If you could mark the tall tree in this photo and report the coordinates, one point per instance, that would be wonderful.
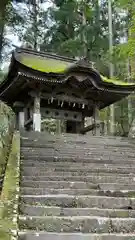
(8, 17)
(3, 6)
(36, 24)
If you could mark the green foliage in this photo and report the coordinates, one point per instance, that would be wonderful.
(127, 50)
(52, 125)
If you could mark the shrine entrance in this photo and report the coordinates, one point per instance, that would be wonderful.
(41, 85)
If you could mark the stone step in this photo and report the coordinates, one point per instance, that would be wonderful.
(73, 236)
(83, 142)
(82, 201)
(44, 191)
(72, 144)
(64, 143)
(76, 159)
(72, 170)
(68, 136)
(57, 211)
(75, 137)
(73, 165)
(76, 174)
(59, 184)
(79, 149)
(78, 154)
(95, 179)
(84, 224)
(78, 185)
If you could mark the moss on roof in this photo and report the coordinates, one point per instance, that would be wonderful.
(116, 81)
(47, 65)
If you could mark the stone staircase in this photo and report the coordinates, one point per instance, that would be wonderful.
(76, 188)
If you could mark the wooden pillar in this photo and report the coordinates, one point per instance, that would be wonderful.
(37, 114)
(20, 115)
(96, 119)
(58, 126)
(21, 120)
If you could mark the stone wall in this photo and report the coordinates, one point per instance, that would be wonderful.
(10, 193)
(6, 133)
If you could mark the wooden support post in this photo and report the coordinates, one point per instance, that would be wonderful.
(21, 120)
(58, 126)
(96, 118)
(20, 115)
(37, 114)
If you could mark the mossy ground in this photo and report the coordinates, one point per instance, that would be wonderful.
(9, 200)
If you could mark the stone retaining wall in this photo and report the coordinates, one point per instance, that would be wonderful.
(10, 193)
(6, 134)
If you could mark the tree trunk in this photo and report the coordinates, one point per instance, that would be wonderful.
(112, 109)
(35, 23)
(2, 25)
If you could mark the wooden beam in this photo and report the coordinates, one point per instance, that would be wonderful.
(61, 114)
(61, 97)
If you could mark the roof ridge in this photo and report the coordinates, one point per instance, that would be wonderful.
(45, 54)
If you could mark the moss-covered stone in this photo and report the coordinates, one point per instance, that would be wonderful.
(6, 132)
(9, 196)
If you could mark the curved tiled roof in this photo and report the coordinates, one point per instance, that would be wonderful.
(51, 63)
(28, 65)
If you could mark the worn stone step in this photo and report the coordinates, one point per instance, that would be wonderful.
(89, 179)
(77, 174)
(83, 201)
(57, 211)
(74, 143)
(78, 185)
(63, 145)
(94, 149)
(73, 236)
(84, 224)
(71, 144)
(76, 138)
(72, 165)
(77, 156)
(58, 184)
(73, 170)
(78, 149)
(75, 159)
(44, 191)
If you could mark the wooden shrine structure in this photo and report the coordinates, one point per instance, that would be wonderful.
(57, 87)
